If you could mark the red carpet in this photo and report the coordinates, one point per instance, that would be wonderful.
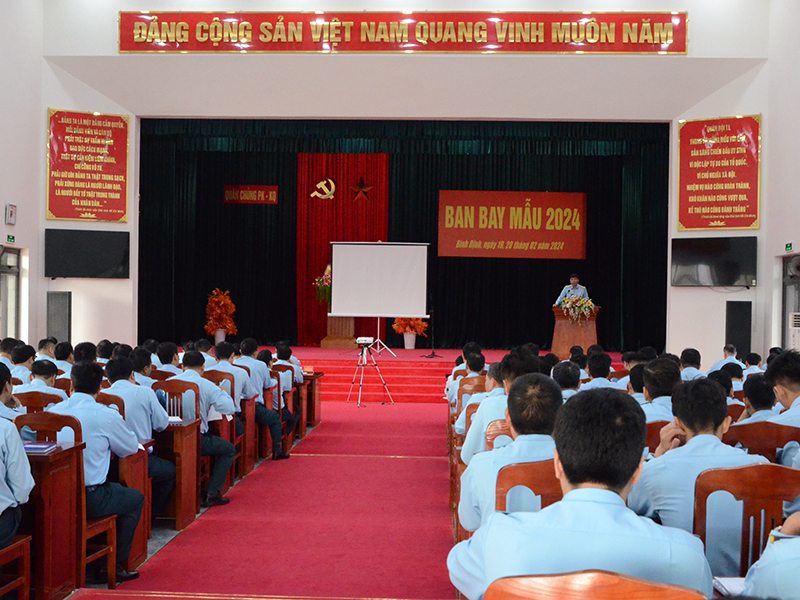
(359, 511)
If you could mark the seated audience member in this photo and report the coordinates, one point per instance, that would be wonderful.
(151, 346)
(599, 436)
(568, 376)
(168, 356)
(752, 363)
(45, 350)
(514, 364)
(773, 352)
(85, 352)
(122, 351)
(629, 360)
(241, 380)
(594, 348)
(533, 402)
(660, 378)
(737, 375)
(672, 357)
(22, 357)
(43, 378)
(551, 360)
(729, 356)
(203, 346)
(188, 346)
(723, 378)
(143, 415)
(6, 346)
(777, 573)
(279, 387)
(460, 369)
(689, 445)
(649, 353)
(636, 384)
(475, 364)
(262, 383)
(284, 355)
(690, 365)
(759, 398)
(210, 445)
(494, 389)
(105, 348)
(580, 360)
(783, 374)
(64, 357)
(599, 366)
(104, 432)
(17, 481)
(140, 361)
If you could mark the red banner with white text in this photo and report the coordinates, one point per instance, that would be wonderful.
(720, 173)
(408, 31)
(512, 224)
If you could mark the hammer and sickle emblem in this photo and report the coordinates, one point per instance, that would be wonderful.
(326, 189)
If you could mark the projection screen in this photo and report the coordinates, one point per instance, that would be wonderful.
(379, 279)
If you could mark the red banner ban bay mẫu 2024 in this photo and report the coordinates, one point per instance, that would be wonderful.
(512, 224)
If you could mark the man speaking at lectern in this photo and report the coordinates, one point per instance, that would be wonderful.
(573, 290)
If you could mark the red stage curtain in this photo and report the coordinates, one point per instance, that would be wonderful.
(340, 219)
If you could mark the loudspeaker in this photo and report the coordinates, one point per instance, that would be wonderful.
(738, 326)
(59, 315)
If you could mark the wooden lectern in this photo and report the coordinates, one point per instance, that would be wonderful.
(568, 333)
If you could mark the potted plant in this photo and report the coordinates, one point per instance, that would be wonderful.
(577, 309)
(323, 286)
(410, 328)
(219, 315)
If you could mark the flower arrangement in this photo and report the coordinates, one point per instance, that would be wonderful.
(219, 312)
(323, 286)
(417, 326)
(577, 309)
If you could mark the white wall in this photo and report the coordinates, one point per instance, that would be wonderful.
(724, 73)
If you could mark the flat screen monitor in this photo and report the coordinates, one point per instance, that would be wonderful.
(729, 261)
(91, 254)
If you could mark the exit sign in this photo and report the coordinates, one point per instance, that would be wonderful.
(789, 247)
(10, 239)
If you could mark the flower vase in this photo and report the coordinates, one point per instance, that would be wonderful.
(409, 340)
(219, 336)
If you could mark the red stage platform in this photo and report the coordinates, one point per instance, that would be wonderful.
(409, 376)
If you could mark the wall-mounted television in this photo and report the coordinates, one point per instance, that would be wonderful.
(92, 254)
(728, 261)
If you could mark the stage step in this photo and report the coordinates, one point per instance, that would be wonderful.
(407, 381)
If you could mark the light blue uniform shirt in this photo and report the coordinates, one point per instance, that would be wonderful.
(16, 481)
(792, 418)
(660, 409)
(21, 372)
(572, 292)
(7, 362)
(38, 385)
(241, 382)
(602, 382)
(491, 409)
(143, 380)
(691, 373)
(210, 361)
(460, 426)
(103, 432)
(479, 481)
(777, 573)
(567, 394)
(452, 392)
(718, 365)
(64, 366)
(298, 370)
(759, 415)
(754, 370)
(171, 369)
(666, 490)
(143, 412)
(639, 397)
(210, 395)
(259, 375)
(589, 529)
